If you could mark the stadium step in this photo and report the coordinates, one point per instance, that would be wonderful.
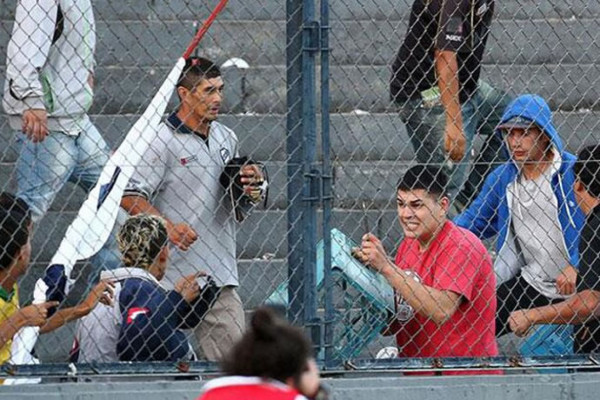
(340, 9)
(158, 43)
(366, 137)
(568, 87)
(262, 235)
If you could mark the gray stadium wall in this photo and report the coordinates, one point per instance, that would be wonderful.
(577, 386)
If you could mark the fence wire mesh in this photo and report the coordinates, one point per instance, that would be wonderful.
(56, 55)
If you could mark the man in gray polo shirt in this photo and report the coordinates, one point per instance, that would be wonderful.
(179, 180)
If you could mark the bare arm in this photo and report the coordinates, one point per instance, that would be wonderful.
(446, 67)
(575, 310)
(102, 292)
(437, 305)
(61, 317)
(10, 327)
(180, 234)
(137, 205)
(33, 315)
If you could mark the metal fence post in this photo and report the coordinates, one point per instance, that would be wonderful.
(312, 176)
(294, 146)
(327, 174)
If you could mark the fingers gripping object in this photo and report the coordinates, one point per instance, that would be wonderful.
(231, 179)
(193, 313)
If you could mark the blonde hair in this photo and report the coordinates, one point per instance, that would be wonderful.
(141, 238)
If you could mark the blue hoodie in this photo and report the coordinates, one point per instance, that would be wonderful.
(489, 214)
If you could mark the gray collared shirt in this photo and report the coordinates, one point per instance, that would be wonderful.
(179, 175)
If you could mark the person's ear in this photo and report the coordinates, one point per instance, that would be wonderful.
(182, 93)
(21, 260)
(445, 204)
(163, 256)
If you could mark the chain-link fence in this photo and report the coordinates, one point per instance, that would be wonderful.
(337, 100)
(381, 139)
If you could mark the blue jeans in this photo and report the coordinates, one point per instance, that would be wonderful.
(43, 168)
(481, 113)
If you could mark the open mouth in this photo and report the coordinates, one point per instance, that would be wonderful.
(411, 226)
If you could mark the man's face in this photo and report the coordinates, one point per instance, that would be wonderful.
(527, 145)
(421, 214)
(310, 380)
(204, 101)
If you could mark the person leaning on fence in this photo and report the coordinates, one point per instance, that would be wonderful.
(179, 178)
(47, 93)
(443, 103)
(272, 361)
(582, 308)
(529, 205)
(15, 255)
(443, 276)
(144, 322)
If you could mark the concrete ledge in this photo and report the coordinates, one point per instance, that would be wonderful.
(577, 386)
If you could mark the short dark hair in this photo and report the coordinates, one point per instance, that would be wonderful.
(271, 348)
(430, 178)
(587, 169)
(196, 69)
(15, 219)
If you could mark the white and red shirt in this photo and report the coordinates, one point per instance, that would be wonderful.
(248, 388)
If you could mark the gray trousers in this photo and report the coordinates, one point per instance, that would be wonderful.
(222, 326)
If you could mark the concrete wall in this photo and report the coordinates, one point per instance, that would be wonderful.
(545, 46)
(582, 386)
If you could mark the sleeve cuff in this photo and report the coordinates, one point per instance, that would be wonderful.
(136, 192)
(34, 102)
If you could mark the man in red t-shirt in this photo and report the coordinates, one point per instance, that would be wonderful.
(443, 275)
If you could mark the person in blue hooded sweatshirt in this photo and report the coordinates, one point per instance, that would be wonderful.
(529, 206)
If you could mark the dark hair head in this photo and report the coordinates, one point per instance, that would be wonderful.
(141, 238)
(587, 169)
(196, 69)
(11, 202)
(15, 220)
(271, 348)
(430, 178)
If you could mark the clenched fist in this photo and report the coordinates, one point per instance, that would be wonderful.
(455, 142)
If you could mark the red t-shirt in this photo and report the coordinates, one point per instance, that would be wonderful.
(456, 260)
(247, 388)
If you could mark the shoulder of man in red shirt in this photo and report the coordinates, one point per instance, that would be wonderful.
(465, 260)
